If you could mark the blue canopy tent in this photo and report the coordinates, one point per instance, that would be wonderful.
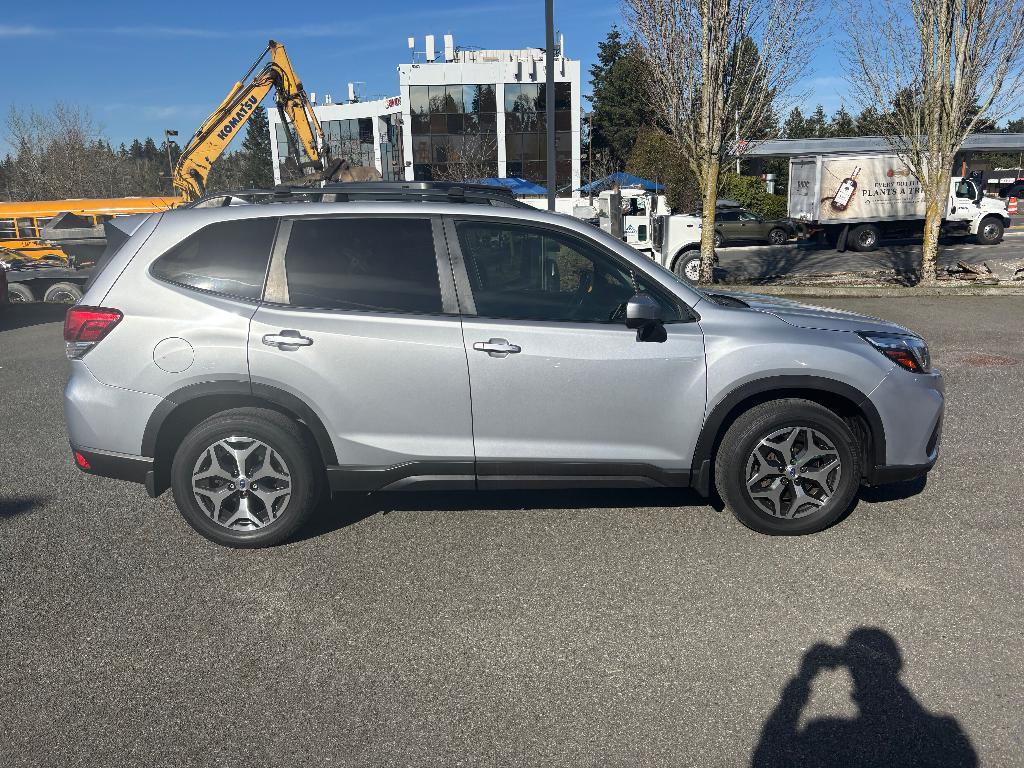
(517, 185)
(627, 180)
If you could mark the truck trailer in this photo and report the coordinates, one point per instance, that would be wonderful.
(858, 200)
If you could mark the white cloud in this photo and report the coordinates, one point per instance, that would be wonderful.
(23, 30)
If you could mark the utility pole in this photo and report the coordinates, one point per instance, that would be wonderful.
(549, 100)
(590, 161)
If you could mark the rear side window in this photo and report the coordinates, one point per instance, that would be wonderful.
(372, 264)
(230, 257)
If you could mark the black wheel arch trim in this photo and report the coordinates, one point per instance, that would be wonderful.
(251, 393)
(712, 430)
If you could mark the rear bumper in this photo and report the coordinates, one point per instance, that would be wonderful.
(118, 466)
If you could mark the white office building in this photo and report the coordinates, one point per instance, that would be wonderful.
(458, 114)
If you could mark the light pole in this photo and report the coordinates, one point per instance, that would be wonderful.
(549, 100)
(167, 143)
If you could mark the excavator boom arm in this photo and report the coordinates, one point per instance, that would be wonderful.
(214, 135)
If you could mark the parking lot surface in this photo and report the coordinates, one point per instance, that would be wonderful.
(604, 628)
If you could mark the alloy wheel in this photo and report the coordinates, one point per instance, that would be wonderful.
(241, 483)
(793, 472)
(691, 270)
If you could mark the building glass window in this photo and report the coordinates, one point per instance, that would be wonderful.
(349, 139)
(526, 138)
(454, 131)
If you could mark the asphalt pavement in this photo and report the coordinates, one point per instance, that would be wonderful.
(602, 629)
(758, 262)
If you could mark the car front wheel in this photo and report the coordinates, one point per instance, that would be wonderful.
(788, 467)
(778, 236)
(245, 478)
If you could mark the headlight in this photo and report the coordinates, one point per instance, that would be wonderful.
(907, 351)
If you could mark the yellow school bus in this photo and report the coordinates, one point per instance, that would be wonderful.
(21, 223)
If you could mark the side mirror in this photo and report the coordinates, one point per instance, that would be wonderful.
(643, 313)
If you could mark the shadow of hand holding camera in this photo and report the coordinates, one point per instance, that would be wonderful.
(892, 729)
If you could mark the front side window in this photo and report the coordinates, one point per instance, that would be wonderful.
(371, 264)
(518, 272)
(228, 257)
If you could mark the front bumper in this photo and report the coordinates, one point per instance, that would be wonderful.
(911, 407)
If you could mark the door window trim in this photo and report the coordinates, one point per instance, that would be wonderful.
(276, 293)
(465, 290)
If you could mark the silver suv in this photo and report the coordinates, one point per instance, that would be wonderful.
(252, 357)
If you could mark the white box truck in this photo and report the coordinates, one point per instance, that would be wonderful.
(859, 200)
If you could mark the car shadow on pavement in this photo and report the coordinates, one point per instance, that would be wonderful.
(16, 316)
(891, 728)
(893, 491)
(345, 509)
(19, 505)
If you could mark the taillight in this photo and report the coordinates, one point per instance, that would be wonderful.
(84, 327)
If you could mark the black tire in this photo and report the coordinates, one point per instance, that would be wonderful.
(990, 231)
(863, 238)
(778, 236)
(719, 241)
(687, 265)
(19, 293)
(284, 437)
(762, 421)
(63, 293)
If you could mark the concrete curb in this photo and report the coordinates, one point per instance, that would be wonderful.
(872, 291)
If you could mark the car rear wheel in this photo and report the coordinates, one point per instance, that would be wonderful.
(245, 478)
(778, 236)
(788, 467)
(864, 238)
(718, 240)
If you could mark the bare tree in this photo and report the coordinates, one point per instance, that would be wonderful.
(941, 66)
(476, 157)
(711, 61)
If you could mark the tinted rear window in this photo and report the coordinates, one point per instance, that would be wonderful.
(377, 264)
(230, 257)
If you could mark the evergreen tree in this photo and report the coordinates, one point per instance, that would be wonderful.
(869, 122)
(258, 161)
(843, 123)
(817, 124)
(620, 109)
(1016, 126)
(150, 150)
(795, 126)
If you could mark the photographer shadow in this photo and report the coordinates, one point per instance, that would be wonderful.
(891, 728)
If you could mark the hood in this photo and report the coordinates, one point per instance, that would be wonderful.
(991, 204)
(807, 316)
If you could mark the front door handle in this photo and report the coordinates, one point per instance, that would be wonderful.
(288, 340)
(497, 347)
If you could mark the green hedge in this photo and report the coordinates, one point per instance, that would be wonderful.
(750, 192)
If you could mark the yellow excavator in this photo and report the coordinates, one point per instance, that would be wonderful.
(294, 106)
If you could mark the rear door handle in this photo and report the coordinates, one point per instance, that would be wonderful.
(497, 347)
(288, 340)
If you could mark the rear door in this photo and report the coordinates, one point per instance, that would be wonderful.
(560, 385)
(803, 189)
(360, 321)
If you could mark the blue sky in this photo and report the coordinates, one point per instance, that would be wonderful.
(141, 67)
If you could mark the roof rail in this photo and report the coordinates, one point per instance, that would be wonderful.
(343, 192)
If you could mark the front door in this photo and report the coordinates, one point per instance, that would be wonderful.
(559, 385)
(356, 324)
